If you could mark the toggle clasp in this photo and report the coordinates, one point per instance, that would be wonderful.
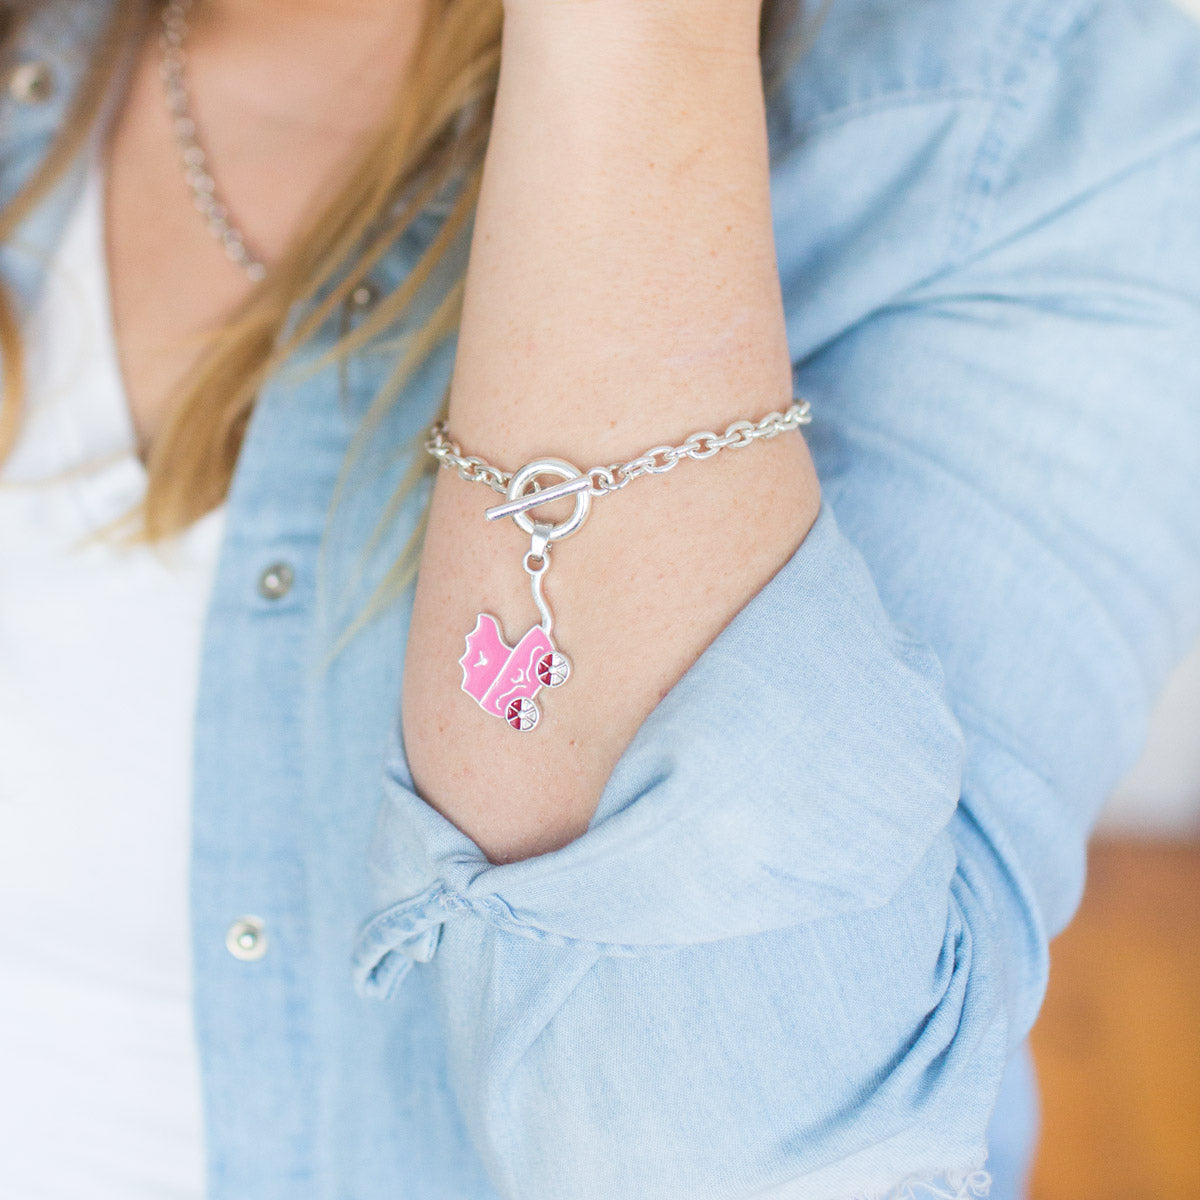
(521, 500)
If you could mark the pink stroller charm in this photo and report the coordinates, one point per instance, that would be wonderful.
(505, 679)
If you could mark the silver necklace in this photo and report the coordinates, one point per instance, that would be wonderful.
(195, 160)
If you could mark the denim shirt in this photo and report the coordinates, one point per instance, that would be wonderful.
(807, 927)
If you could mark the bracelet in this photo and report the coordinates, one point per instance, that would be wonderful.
(503, 679)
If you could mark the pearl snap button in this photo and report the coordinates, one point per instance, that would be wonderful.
(276, 581)
(246, 939)
(31, 83)
(365, 296)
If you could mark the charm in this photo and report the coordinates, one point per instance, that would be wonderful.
(504, 680)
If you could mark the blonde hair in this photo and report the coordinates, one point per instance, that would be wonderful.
(431, 145)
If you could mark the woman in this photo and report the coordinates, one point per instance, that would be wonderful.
(757, 902)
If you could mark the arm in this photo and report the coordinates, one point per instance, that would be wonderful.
(622, 291)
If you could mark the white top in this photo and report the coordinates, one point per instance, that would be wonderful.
(99, 650)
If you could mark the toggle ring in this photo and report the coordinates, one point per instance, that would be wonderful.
(520, 502)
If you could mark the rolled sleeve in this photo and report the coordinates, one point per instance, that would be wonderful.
(801, 768)
(707, 984)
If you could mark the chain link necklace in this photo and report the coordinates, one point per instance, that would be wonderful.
(195, 160)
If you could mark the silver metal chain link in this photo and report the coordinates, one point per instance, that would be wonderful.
(656, 461)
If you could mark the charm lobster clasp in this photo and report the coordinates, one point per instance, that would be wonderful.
(504, 679)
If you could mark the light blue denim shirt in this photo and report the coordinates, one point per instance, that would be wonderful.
(807, 928)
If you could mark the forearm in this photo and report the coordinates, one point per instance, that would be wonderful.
(621, 292)
(623, 247)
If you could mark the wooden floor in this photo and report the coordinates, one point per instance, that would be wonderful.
(1118, 1042)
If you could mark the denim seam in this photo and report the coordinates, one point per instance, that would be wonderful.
(912, 98)
(994, 149)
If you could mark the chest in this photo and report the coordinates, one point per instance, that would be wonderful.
(275, 157)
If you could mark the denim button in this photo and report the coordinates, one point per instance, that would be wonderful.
(31, 83)
(246, 939)
(276, 581)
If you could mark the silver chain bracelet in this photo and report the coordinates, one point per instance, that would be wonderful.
(653, 462)
(504, 679)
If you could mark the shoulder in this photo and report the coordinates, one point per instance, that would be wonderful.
(912, 133)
